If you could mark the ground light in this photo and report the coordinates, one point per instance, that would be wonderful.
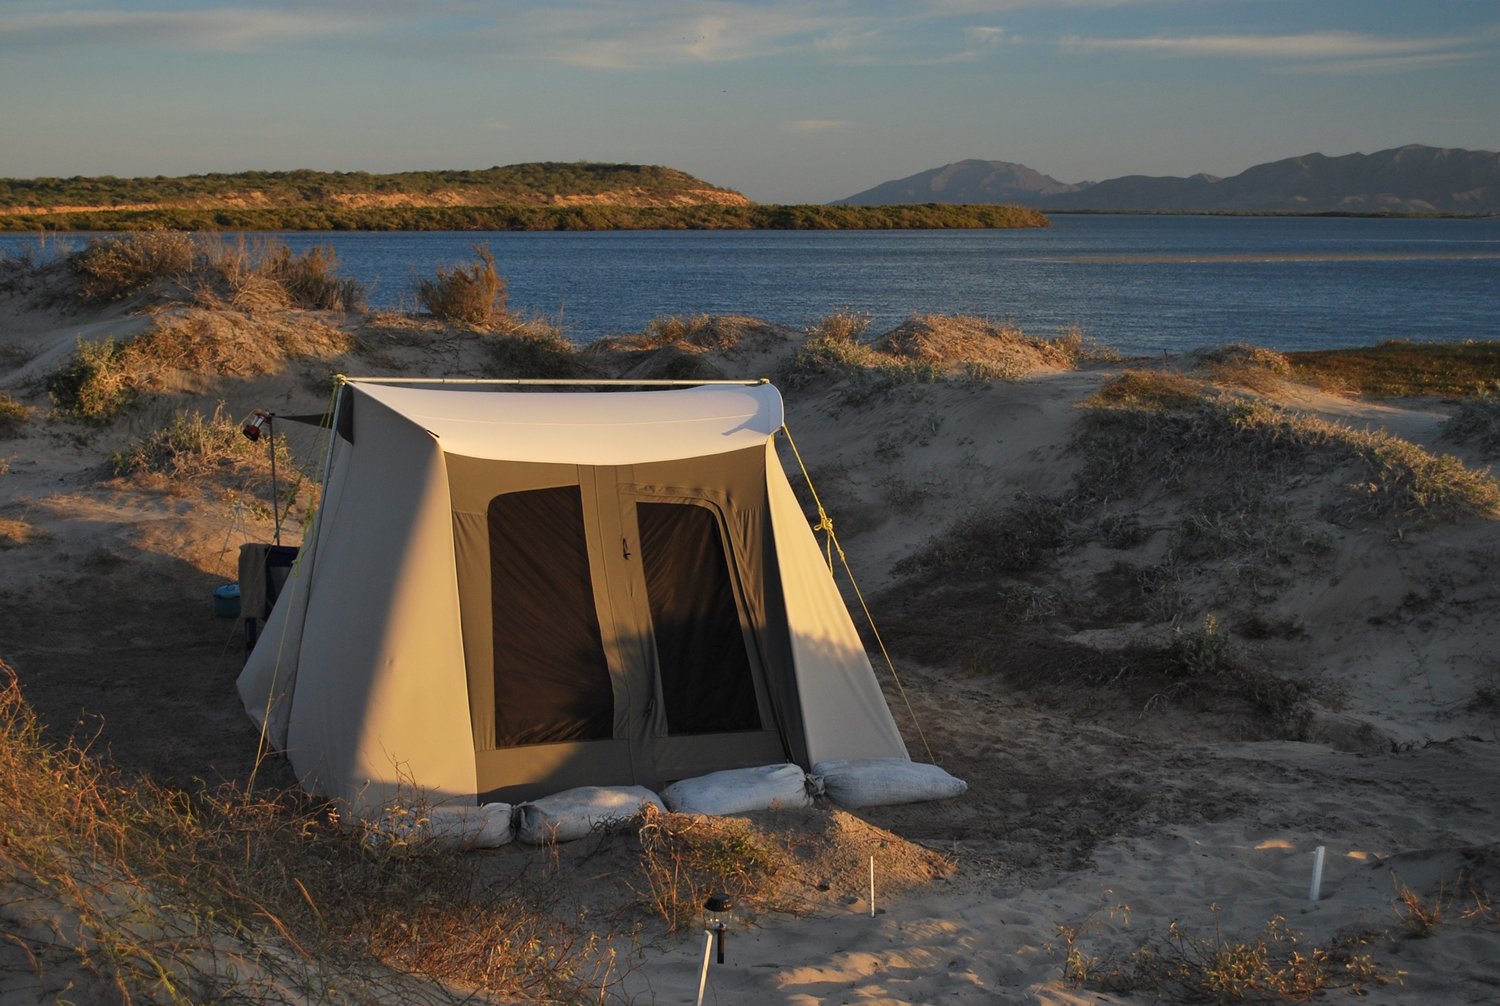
(717, 916)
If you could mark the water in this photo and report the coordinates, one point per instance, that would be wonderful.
(1141, 284)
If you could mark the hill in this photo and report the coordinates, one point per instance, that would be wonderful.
(534, 184)
(1410, 179)
(537, 196)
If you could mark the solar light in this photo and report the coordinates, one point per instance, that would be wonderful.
(252, 427)
(717, 916)
(259, 419)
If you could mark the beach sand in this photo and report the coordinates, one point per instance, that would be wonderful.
(1092, 809)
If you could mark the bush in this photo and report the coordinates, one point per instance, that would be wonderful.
(534, 350)
(309, 279)
(474, 296)
(13, 417)
(92, 385)
(1477, 421)
(112, 268)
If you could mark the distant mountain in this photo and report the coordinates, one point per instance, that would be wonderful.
(1410, 179)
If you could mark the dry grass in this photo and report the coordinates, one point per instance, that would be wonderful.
(196, 453)
(164, 896)
(1477, 421)
(15, 532)
(1273, 965)
(117, 267)
(14, 417)
(1149, 429)
(186, 350)
(534, 349)
(978, 349)
(1398, 368)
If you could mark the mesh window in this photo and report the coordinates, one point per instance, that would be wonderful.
(705, 672)
(552, 681)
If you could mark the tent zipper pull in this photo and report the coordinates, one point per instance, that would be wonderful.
(625, 546)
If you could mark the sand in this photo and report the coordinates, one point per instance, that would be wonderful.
(1095, 809)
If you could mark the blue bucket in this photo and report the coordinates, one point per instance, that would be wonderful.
(227, 601)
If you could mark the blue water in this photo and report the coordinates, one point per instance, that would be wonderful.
(1141, 284)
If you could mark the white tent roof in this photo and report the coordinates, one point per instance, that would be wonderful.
(626, 427)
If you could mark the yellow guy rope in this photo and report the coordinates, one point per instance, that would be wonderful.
(825, 524)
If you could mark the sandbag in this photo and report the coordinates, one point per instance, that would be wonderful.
(575, 813)
(484, 827)
(874, 782)
(449, 826)
(738, 790)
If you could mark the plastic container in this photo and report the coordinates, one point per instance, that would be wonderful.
(227, 601)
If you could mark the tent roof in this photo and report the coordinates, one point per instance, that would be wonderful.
(589, 428)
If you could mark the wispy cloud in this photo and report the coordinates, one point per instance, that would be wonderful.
(808, 126)
(226, 29)
(1325, 51)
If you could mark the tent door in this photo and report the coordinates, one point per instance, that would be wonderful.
(608, 630)
(707, 702)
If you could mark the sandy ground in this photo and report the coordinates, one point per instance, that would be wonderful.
(1103, 810)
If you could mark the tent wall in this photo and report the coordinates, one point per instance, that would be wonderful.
(379, 698)
(844, 712)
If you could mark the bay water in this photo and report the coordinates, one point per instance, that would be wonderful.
(1139, 284)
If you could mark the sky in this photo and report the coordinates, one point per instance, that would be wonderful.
(785, 102)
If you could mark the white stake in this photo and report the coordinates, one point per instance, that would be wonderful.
(872, 887)
(1317, 876)
(708, 945)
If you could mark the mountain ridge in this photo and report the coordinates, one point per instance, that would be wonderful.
(1407, 179)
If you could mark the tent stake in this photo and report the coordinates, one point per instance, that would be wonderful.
(708, 946)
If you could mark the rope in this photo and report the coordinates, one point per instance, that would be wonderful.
(825, 524)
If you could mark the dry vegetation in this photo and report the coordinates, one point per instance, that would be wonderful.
(145, 892)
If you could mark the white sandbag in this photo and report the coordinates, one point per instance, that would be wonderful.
(575, 813)
(484, 827)
(738, 790)
(449, 826)
(874, 782)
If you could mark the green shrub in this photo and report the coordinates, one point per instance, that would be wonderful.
(475, 296)
(117, 267)
(92, 385)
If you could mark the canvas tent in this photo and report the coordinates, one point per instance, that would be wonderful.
(510, 593)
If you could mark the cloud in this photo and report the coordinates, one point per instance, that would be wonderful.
(226, 29)
(811, 126)
(1332, 51)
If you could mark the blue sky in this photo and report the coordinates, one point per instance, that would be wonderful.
(786, 102)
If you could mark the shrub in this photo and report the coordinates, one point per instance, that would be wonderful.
(1157, 428)
(92, 385)
(13, 417)
(310, 279)
(686, 857)
(475, 296)
(1477, 421)
(534, 350)
(111, 268)
(1272, 965)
